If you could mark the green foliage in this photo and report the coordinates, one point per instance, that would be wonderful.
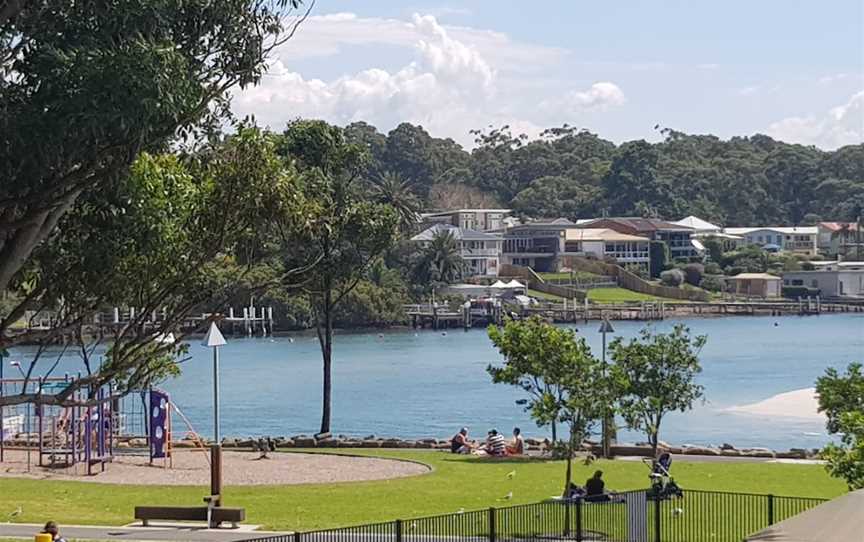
(564, 381)
(712, 283)
(693, 273)
(841, 399)
(659, 255)
(672, 277)
(656, 373)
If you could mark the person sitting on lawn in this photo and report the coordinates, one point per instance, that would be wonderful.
(459, 444)
(595, 488)
(52, 529)
(518, 445)
(495, 444)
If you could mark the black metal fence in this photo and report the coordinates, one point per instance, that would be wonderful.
(699, 516)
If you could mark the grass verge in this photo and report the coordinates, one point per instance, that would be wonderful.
(455, 482)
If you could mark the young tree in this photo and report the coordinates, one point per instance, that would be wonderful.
(564, 381)
(344, 231)
(656, 374)
(841, 398)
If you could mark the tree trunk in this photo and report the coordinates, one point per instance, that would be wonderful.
(554, 432)
(325, 338)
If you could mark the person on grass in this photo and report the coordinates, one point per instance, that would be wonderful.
(517, 447)
(52, 529)
(495, 444)
(459, 444)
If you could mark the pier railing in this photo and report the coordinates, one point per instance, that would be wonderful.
(628, 517)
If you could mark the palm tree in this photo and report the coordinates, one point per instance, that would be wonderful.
(391, 189)
(440, 261)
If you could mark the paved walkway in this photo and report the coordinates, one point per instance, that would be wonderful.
(158, 532)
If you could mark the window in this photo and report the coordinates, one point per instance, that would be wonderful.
(814, 283)
(760, 238)
(779, 240)
(797, 282)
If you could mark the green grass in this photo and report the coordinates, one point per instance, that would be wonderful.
(578, 275)
(455, 482)
(544, 296)
(619, 295)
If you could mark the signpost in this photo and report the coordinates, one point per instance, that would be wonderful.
(214, 340)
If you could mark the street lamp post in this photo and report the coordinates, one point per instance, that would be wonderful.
(214, 340)
(608, 421)
(3, 354)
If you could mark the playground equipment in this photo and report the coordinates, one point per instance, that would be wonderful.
(139, 423)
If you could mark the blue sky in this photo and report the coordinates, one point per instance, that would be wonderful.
(790, 69)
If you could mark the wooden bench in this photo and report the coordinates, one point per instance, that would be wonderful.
(217, 515)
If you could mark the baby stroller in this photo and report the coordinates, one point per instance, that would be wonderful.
(663, 486)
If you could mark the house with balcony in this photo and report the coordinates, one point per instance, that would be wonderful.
(840, 238)
(469, 219)
(797, 239)
(678, 238)
(538, 245)
(480, 251)
(603, 244)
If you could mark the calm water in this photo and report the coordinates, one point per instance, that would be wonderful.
(411, 384)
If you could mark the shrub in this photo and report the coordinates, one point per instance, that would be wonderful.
(712, 268)
(693, 273)
(712, 283)
(672, 277)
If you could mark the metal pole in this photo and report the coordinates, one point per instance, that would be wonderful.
(216, 448)
(605, 426)
(216, 394)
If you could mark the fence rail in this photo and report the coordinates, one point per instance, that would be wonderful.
(629, 517)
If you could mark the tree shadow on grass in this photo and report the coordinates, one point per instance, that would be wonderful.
(521, 459)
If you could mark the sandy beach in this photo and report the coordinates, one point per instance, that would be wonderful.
(801, 404)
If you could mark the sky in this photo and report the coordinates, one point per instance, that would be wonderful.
(790, 69)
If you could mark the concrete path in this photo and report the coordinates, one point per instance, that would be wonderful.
(157, 532)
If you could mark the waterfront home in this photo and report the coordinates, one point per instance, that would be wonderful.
(469, 219)
(604, 243)
(754, 284)
(538, 245)
(797, 239)
(832, 279)
(698, 225)
(841, 238)
(677, 237)
(481, 251)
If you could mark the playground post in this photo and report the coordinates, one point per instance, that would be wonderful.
(214, 340)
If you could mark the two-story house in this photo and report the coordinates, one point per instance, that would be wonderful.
(840, 238)
(469, 219)
(798, 239)
(677, 237)
(537, 245)
(480, 251)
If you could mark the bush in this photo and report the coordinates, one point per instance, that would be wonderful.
(637, 270)
(693, 273)
(712, 268)
(672, 277)
(712, 283)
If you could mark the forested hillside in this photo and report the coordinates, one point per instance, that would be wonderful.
(576, 174)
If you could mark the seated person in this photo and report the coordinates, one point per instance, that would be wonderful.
(495, 444)
(518, 445)
(595, 488)
(459, 444)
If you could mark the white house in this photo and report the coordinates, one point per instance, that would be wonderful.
(698, 225)
(833, 279)
(469, 219)
(798, 239)
(480, 251)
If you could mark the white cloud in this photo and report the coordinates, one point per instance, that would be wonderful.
(450, 87)
(841, 125)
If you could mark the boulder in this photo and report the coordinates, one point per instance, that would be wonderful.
(305, 442)
(429, 441)
(757, 452)
(323, 436)
(327, 443)
(730, 452)
(351, 443)
(406, 444)
(701, 450)
(286, 443)
(425, 445)
(533, 441)
(794, 453)
(629, 450)
(391, 443)
(369, 443)
(726, 446)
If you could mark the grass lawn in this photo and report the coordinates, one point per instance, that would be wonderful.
(620, 295)
(455, 482)
(578, 275)
(544, 296)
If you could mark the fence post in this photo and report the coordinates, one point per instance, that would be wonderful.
(657, 503)
(398, 530)
(566, 519)
(579, 520)
(492, 524)
(770, 509)
(296, 537)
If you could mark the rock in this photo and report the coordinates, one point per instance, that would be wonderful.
(794, 453)
(429, 441)
(425, 445)
(757, 452)
(533, 442)
(327, 443)
(730, 452)
(625, 450)
(323, 436)
(406, 444)
(391, 443)
(701, 450)
(675, 450)
(371, 444)
(305, 442)
(229, 443)
(351, 443)
(370, 437)
(726, 446)
(286, 443)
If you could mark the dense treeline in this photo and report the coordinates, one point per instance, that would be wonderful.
(576, 174)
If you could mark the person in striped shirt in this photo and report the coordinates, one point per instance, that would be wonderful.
(495, 444)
